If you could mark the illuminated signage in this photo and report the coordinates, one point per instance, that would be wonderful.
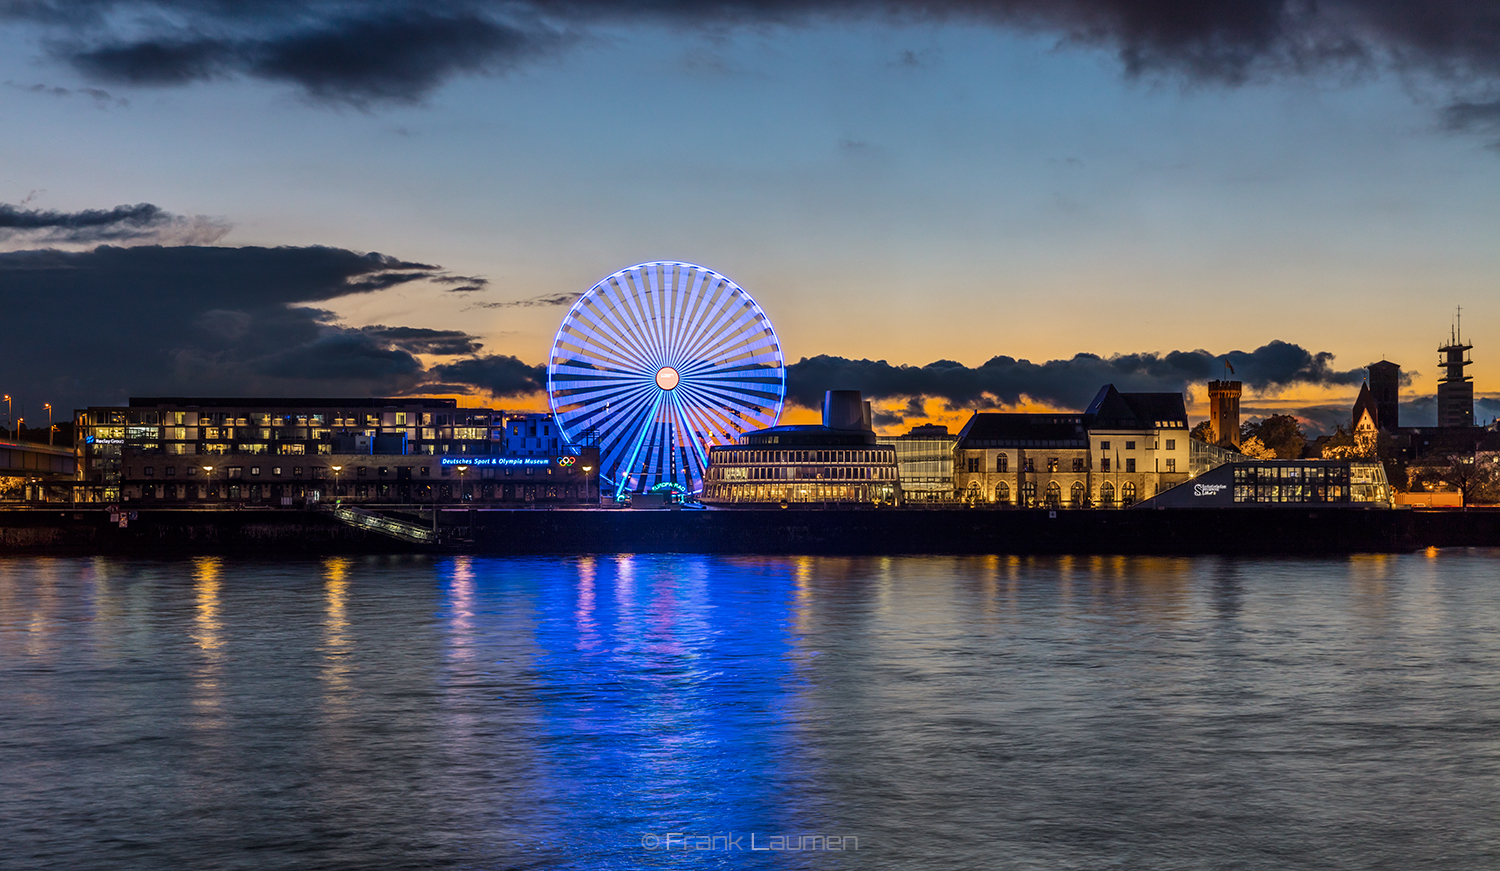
(496, 461)
(98, 441)
(1208, 489)
(566, 461)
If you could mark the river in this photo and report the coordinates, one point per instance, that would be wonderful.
(679, 711)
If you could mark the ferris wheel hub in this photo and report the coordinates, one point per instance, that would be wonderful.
(667, 378)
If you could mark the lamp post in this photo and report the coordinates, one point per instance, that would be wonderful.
(336, 494)
(19, 422)
(586, 470)
(48, 406)
(7, 412)
(208, 472)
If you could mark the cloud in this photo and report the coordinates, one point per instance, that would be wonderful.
(110, 322)
(1069, 383)
(496, 374)
(102, 99)
(545, 300)
(392, 53)
(424, 341)
(462, 283)
(397, 51)
(142, 222)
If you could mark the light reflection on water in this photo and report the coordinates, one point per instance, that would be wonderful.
(987, 712)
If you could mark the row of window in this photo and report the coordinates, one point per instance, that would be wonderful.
(323, 472)
(1052, 495)
(801, 473)
(1002, 464)
(723, 456)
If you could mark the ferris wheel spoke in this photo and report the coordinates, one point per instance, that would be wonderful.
(608, 327)
(674, 323)
(641, 317)
(742, 330)
(599, 340)
(765, 357)
(624, 329)
(640, 433)
(698, 302)
(719, 300)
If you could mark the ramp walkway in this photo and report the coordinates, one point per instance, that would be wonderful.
(399, 529)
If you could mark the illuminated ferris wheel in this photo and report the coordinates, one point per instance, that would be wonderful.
(658, 362)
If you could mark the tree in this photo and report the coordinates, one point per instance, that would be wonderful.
(1279, 433)
(1342, 445)
(1255, 449)
(1203, 432)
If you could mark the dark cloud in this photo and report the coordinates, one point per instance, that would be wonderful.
(461, 283)
(399, 50)
(202, 320)
(546, 300)
(424, 341)
(1067, 383)
(496, 374)
(140, 222)
(392, 53)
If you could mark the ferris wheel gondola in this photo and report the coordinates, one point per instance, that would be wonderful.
(656, 363)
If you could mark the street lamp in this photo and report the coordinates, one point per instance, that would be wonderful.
(48, 406)
(19, 421)
(586, 470)
(208, 472)
(336, 500)
(7, 411)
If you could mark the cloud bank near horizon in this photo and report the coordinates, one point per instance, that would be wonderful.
(400, 51)
(246, 321)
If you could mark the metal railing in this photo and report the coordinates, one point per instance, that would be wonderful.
(385, 525)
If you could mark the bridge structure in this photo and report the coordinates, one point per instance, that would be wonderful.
(44, 463)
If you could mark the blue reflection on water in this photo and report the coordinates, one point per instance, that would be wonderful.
(659, 696)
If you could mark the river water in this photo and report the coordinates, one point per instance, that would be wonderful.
(712, 712)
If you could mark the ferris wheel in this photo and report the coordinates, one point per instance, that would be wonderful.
(658, 362)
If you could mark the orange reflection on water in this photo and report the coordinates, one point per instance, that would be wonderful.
(207, 628)
(208, 635)
(337, 644)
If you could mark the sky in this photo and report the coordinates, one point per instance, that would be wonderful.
(950, 205)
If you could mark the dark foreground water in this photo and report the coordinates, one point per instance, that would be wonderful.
(695, 712)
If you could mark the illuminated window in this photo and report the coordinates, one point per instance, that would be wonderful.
(1076, 494)
(1078, 464)
(1052, 464)
(1171, 464)
(1029, 465)
(1002, 492)
(1104, 464)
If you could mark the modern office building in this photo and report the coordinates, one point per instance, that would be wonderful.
(924, 459)
(836, 463)
(1224, 412)
(1282, 484)
(285, 451)
(531, 435)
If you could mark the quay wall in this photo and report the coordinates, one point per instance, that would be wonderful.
(770, 531)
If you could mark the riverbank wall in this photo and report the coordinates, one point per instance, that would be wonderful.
(768, 531)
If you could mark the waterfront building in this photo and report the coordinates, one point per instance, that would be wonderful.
(1023, 460)
(531, 435)
(280, 451)
(1282, 484)
(1139, 444)
(838, 462)
(1224, 413)
(924, 459)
